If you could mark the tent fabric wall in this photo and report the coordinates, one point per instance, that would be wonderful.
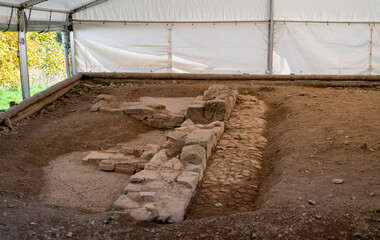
(121, 48)
(189, 48)
(178, 11)
(327, 10)
(220, 48)
(315, 48)
(376, 50)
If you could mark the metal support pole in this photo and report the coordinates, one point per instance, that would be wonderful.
(66, 52)
(23, 55)
(73, 62)
(270, 38)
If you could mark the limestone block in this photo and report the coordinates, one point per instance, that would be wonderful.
(217, 124)
(195, 112)
(156, 106)
(161, 116)
(189, 179)
(194, 154)
(124, 202)
(138, 110)
(148, 195)
(176, 136)
(133, 187)
(157, 160)
(173, 163)
(141, 214)
(176, 210)
(187, 123)
(215, 110)
(203, 137)
(197, 169)
(105, 97)
(97, 156)
(149, 151)
(173, 148)
(107, 165)
(169, 176)
(157, 185)
(94, 108)
(144, 176)
(176, 118)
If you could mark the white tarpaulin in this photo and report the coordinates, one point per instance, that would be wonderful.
(376, 50)
(121, 48)
(327, 10)
(301, 48)
(178, 11)
(220, 48)
(208, 48)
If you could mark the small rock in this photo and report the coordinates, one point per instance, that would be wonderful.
(254, 235)
(337, 181)
(92, 223)
(33, 224)
(311, 202)
(8, 123)
(69, 235)
(372, 194)
(218, 205)
(318, 216)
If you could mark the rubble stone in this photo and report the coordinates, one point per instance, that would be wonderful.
(189, 179)
(194, 154)
(204, 138)
(124, 202)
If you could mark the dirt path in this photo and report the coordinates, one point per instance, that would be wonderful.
(231, 180)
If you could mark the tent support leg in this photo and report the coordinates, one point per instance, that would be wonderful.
(73, 64)
(270, 39)
(66, 52)
(24, 71)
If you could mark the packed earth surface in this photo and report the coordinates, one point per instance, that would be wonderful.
(294, 162)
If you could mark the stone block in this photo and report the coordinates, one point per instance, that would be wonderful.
(141, 214)
(132, 187)
(187, 123)
(197, 169)
(105, 97)
(149, 151)
(203, 137)
(161, 116)
(173, 163)
(124, 202)
(215, 110)
(195, 112)
(157, 185)
(129, 150)
(148, 195)
(107, 165)
(176, 118)
(176, 210)
(157, 160)
(94, 108)
(169, 176)
(138, 110)
(144, 176)
(156, 106)
(97, 156)
(176, 136)
(189, 179)
(217, 124)
(194, 154)
(173, 148)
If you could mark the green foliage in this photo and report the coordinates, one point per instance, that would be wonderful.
(15, 94)
(45, 55)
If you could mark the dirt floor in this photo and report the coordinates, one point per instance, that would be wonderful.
(314, 135)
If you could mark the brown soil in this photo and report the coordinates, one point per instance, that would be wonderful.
(314, 135)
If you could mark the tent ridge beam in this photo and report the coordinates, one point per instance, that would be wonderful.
(31, 3)
(88, 5)
(12, 5)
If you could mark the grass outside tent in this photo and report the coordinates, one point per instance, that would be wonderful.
(7, 95)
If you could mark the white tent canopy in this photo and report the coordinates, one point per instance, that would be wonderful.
(213, 36)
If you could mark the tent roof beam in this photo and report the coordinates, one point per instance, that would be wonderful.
(88, 5)
(31, 3)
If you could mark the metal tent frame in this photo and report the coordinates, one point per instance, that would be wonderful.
(24, 25)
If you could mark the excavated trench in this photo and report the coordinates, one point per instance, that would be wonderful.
(231, 180)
